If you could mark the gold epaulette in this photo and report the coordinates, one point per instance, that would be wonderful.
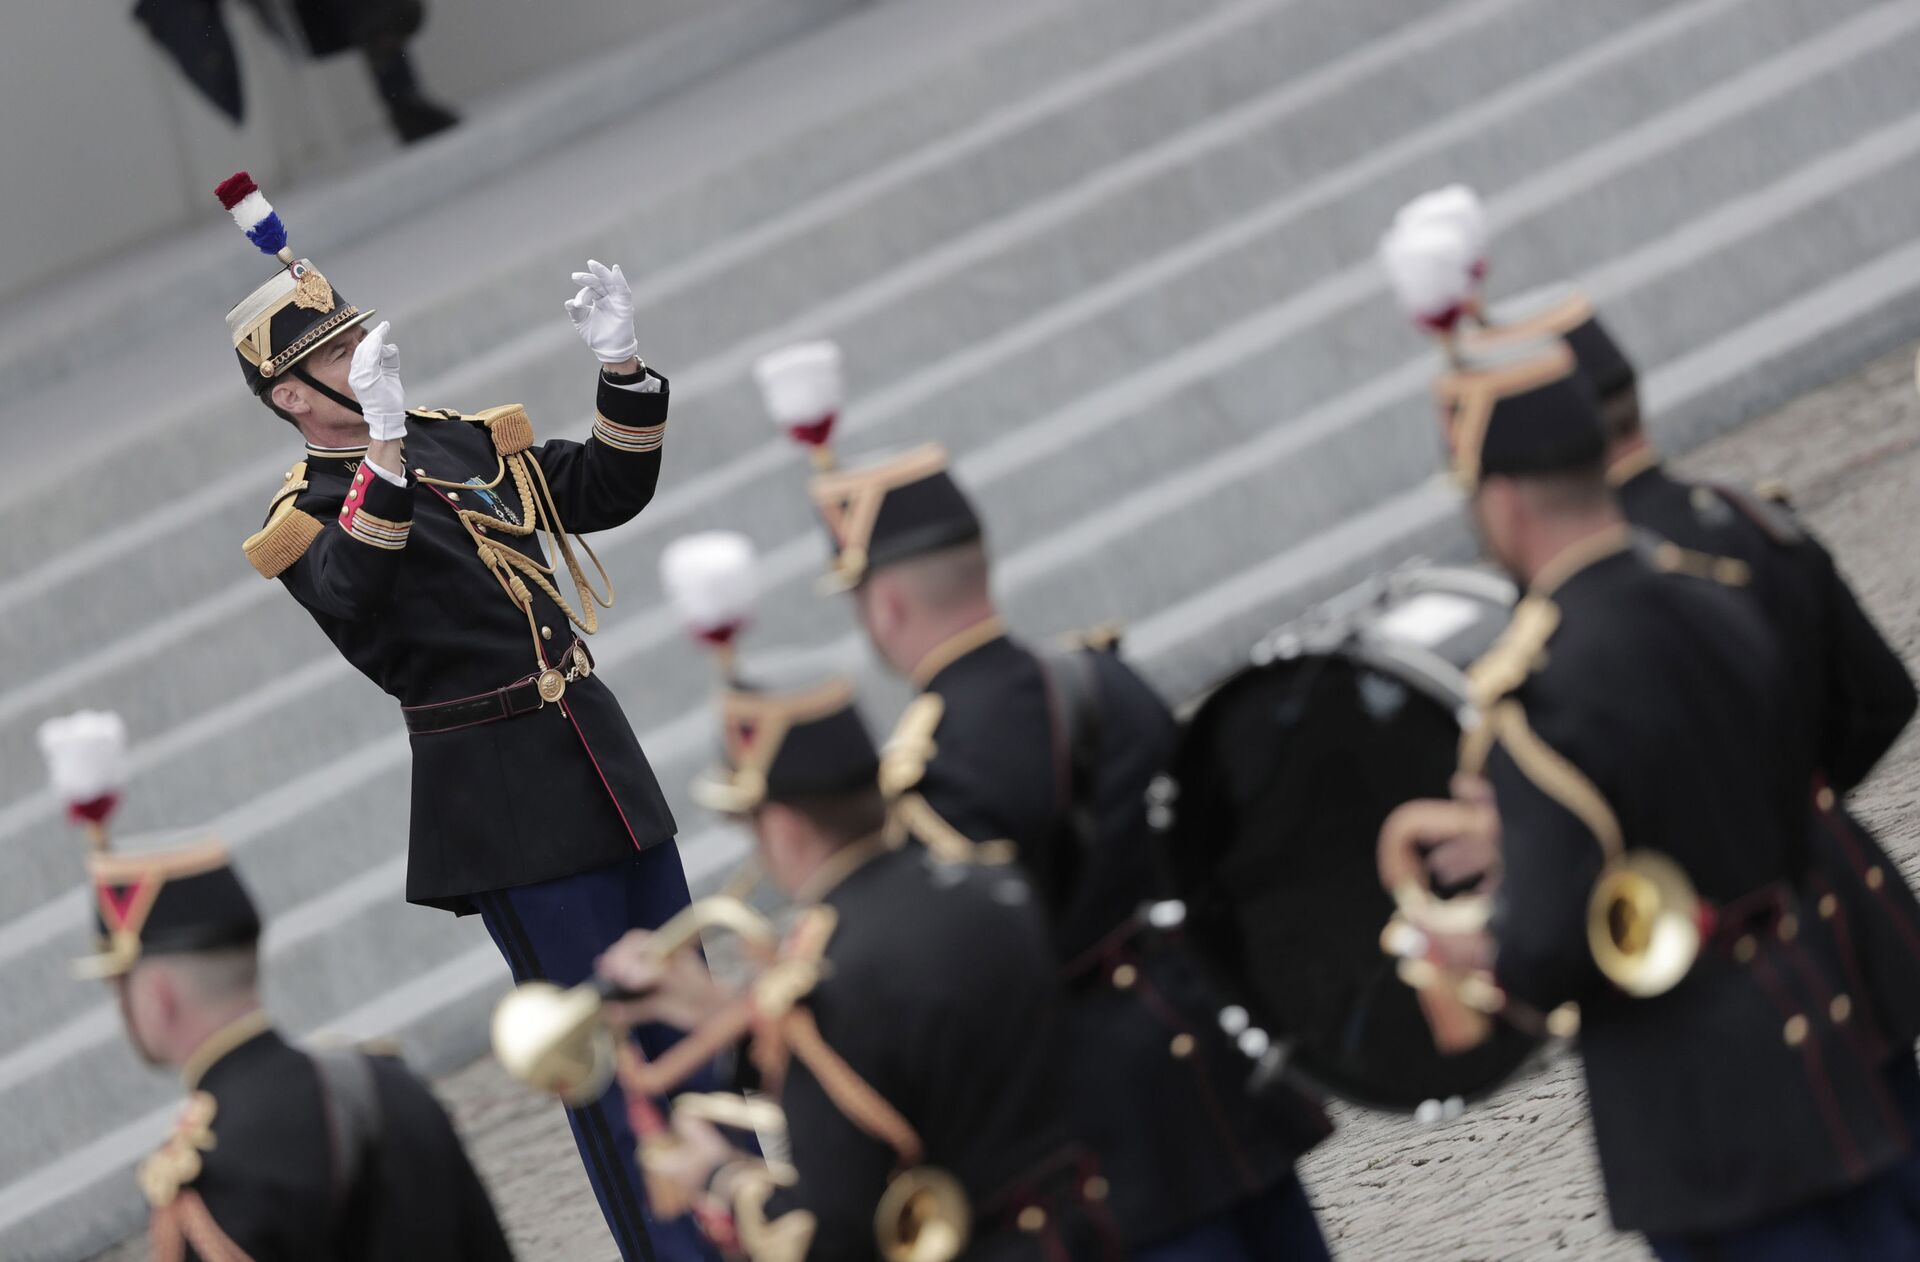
(1520, 651)
(1671, 558)
(1102, 637)
(177, 1163)
(288, 531)
(904, 757)
(511, 429)
(800, 967)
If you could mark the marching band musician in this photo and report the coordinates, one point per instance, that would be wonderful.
(925, 1052)
(435, 550)
(1052, 752)
(1632, 712)
(1852, 691)
(278, 1155)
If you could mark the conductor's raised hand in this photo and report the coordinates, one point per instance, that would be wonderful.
(374, 376)
(602, 313)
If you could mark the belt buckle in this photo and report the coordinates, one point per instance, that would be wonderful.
(552, 685)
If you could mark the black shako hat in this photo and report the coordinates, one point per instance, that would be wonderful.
(889, 510)
(783, 746)
(1519, 409)
(295, 312)
(166, 902)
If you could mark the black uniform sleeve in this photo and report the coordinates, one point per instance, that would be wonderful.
(349, 569)
(606, 481)
(1870, 696)
(1551, 860)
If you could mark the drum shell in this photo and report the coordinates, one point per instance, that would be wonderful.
(1271, 808)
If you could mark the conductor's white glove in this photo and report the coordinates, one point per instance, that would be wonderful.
(375, 378)
(602, 313)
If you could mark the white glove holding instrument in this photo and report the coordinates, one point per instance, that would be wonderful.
(602, 313)
(375, 379)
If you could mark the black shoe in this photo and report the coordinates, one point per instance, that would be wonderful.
(414, 118)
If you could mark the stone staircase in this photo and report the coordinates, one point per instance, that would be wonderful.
(1118, 256)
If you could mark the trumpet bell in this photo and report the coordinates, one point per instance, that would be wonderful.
(923, 1216)
(553, 1040)
(1643, 923)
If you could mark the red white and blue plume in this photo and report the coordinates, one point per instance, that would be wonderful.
(255, 215)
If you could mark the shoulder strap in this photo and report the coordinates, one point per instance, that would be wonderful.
(351, 1100)
(511, 428)
(1073, 697)
(1770, 515)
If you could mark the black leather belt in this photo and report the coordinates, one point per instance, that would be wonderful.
(523, 696)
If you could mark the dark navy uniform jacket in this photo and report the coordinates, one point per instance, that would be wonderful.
(267, 1168)
(1632, 709)
(396, 582)
(1157, 1090)
(938, 991)
(1854, 697)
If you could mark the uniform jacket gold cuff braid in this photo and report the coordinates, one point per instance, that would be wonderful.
(440, 591)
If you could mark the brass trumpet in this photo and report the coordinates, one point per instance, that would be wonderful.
(554, 1040)
(1644, 923)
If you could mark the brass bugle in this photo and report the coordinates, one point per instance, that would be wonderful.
(554, 1040)
(923, 1216)
(1645, 923)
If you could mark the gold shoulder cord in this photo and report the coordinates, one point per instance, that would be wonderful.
(513, 569)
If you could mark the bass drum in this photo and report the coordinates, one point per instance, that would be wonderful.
(1270, 810)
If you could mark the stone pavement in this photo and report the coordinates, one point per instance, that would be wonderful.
(1515, 1178)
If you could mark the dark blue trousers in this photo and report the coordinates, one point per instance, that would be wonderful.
(1878, 1219)
(552, 932)
(1276, 1226)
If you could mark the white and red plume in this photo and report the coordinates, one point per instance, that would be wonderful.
(804, 390)
(87, 761)
(255, 215)
(709, 579)
(1435, 256)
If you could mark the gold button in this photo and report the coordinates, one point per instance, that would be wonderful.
(1182, 1046)
(1745, 949)
(454, 496)
(1876, 877)
(358, 478)
(1032, 1219)
(1828, 906)
(1824, 799)
(1125, 975)
(346, 511)
(481, 529)
(287, 476)
(1789, 927)
(546, 633)
(1796, 1030)
(1840, 1009)
(1095, 1189)
(419, 473)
